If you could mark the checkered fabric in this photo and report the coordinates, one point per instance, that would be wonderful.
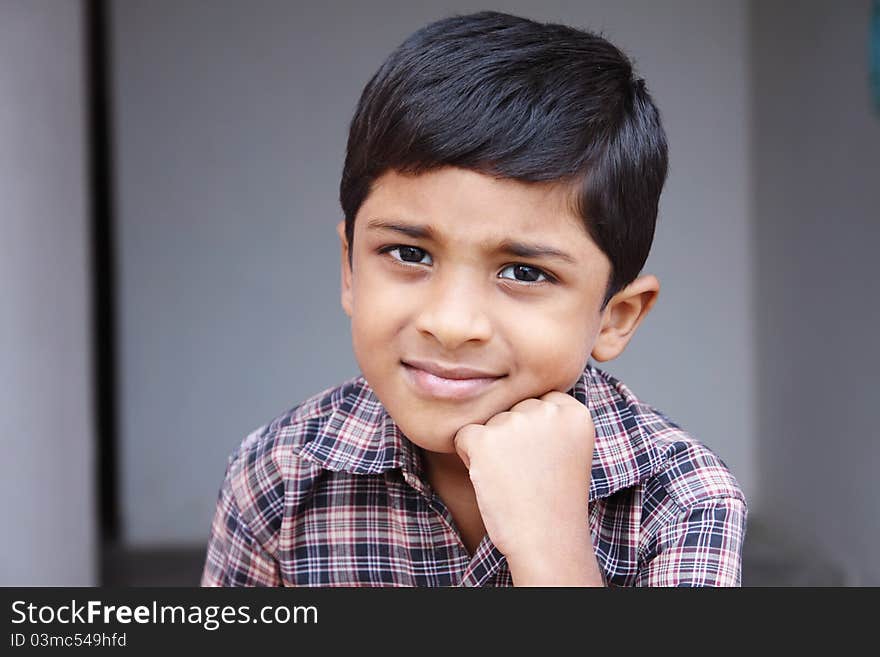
(331, 493)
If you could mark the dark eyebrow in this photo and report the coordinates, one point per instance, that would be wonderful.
(519, 249)
(412, 230)
(522, 250)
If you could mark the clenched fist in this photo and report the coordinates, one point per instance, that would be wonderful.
(530, 468)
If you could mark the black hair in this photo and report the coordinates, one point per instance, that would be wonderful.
(518, 99)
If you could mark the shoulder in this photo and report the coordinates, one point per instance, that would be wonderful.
(267, 473)
(297, 426)
(679, 468)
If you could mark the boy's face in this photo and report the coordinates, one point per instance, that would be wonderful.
(457, 298)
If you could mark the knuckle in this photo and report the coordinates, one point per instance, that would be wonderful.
(466, 432)
(554, 396)
(575, 411)
(502, 418)
(526, 404)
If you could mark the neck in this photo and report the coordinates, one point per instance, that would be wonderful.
(449, 479)
(440, 466)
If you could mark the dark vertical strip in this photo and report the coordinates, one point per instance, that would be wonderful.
(874, 65)
(100, 136)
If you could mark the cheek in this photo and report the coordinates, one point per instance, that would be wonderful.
(380, 309)
(552, 348)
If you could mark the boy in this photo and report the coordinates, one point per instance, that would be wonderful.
(500, 191)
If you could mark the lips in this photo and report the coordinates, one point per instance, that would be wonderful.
(447, 372)
(454, 383)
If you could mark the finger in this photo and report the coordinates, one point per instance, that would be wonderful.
(560, 398)
(513, 418)
(566, 401)
(527, 405)
(463, 443)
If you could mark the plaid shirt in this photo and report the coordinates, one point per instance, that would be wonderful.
(332, 494)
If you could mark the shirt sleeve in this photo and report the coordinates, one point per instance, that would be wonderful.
(235, 557)
(701, 546)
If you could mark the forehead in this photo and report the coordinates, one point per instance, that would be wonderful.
(469, 208)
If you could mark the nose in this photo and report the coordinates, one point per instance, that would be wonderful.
(454, 312)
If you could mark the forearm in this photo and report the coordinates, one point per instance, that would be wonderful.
(571, 562)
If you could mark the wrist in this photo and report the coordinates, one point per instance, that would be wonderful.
(569, 562)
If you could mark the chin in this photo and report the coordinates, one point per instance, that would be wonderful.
(436, 447)
(440, 441)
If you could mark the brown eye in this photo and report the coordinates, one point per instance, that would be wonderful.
(408, 254)
(525, 274)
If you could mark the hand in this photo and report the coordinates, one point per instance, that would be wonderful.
(530, 468)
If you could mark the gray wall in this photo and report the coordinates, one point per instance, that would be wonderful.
(232, 125)
(817, 184)
(232, 121)
(46, 427)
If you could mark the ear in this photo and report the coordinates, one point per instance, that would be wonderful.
(347, 297)
(622, 316)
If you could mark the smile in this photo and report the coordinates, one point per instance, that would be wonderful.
(431, 385)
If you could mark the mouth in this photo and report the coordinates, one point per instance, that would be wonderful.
(457, 384)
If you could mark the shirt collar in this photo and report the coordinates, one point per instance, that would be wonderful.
(361, 438)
